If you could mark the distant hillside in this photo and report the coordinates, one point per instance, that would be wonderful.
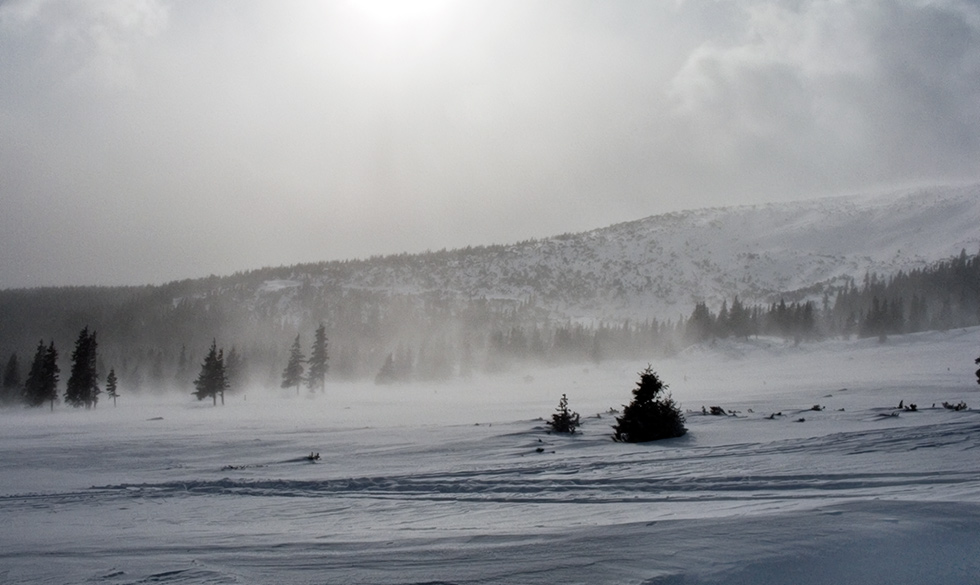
(454, 311)
(663, 265)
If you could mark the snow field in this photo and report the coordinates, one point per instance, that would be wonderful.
(461, 483)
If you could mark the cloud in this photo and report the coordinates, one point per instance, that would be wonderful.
(85, 43)
(149, 140)
(838, 94)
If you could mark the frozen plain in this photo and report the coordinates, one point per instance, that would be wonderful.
(461, 483)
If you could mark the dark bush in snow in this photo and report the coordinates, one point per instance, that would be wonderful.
(564, 420)
(651, 415)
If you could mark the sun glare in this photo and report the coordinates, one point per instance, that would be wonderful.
(402, 14)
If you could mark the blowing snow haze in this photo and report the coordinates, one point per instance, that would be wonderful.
(147, 141)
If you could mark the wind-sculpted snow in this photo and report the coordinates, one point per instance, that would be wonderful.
(854, 490)
(590, 480)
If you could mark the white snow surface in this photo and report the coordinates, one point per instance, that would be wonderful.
(462, 483)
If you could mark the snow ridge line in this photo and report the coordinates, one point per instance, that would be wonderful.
(543, 489)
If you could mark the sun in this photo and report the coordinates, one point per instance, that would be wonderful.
(402, 14)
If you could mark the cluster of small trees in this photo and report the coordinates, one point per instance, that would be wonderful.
(315, 377)
(936, 298)
(218, 371)
(83, 384)
(213, 379)
(650, 416)
(41, 384)
(42, 380)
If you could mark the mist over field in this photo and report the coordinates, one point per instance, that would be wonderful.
(310, 292)
(463, 483)
(830, 411)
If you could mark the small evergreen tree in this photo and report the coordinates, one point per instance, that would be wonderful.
(111, 385)
(292, 375)
(182, 375)
(386, 375)
(234, 369)
(51, 375)
(32, 385)
(564, 420)
(977, 362)
(11, 380)
(83, 387)
(652, 414)
(317, 374)
(212, 380)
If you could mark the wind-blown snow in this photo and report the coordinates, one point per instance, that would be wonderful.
(460, 483)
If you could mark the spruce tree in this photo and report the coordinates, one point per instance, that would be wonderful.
(33, 386)
(386, 375)
(111, 385)
(292, 375)
(83, 387)
(317, 373)
(564, 420)
(220, 377)
(234, 369)
(11, 380)
(42, 380)
(651, 415)
(977, 362)
(51, 373)
(212, 380)
(182, 375)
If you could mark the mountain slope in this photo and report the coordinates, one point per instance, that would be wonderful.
(663, 264)
(448, 312)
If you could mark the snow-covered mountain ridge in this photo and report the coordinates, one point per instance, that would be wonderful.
(662, 265)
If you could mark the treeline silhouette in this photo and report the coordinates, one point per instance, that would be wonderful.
(155, 338)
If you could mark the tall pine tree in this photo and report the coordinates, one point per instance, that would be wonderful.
(42, 380)
(234, 369)
(213, 379)
(83, 385)
(11, 381)
(292, 375)
(317, 373)
(111, 386)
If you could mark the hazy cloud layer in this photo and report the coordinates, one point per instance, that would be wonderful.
(145, 141)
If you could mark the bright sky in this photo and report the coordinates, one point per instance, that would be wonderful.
(150, 140)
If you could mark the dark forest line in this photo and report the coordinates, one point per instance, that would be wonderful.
(155, 338)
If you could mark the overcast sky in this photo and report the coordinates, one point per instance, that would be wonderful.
(150, 140)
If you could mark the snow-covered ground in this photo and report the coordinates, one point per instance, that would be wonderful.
(460, 483)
